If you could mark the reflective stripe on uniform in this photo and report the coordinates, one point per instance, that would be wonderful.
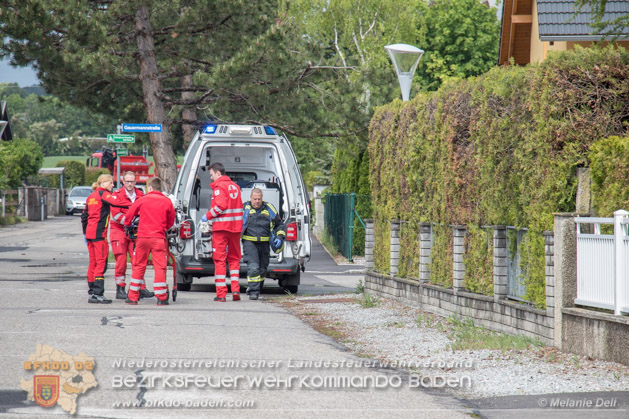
(235, 272)
(135, 284)
(255, 279)
(255, 239)
(159, 284)
(233, 211)
(214, 213)
(221, 284)
(158, 292)
(216, 220)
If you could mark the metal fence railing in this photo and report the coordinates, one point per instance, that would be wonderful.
(343, 216)
(516, 288)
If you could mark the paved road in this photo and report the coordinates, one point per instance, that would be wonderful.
(43, 301)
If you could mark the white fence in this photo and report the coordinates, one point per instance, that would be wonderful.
(603, 264)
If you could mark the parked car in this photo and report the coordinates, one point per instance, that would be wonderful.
(76, 199)
(254, 157)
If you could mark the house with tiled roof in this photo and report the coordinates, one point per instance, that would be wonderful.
(533, 28)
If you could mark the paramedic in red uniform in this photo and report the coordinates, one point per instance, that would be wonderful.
(157, 215)
(226, 215)
(121, 245)
(95, 223)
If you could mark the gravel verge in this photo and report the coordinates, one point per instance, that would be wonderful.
(392, 333)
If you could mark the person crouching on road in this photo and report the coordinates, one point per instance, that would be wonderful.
(157, 215)
(261, 227)
(226, 215)
(95, 225)
(121, 245)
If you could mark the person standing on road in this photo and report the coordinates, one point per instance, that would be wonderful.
(95, 223)
(157, 215)
(261, 227)
(226, 216)
(121, 245)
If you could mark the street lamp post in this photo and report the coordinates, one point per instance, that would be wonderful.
(405, 59)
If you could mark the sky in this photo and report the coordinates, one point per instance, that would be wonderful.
(23, 76)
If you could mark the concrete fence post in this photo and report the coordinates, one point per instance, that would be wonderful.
(395, 247)
(500, 263)
(565, 269)
(425, 250)
(458, 250)
(549, 250)
(369, 244)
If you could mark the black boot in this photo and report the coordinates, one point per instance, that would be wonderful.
(144, 293)
(120, 293)
(90, 288)
(253, 296)
(98, 299)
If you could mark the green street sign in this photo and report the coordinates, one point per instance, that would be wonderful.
(122, 152)
(120, 138)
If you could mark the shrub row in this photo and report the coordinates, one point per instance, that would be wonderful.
(501, 148)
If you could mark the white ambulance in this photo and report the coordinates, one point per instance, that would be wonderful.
(254, 156)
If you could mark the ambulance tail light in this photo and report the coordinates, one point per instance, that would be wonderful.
(186, 230)
(291, 232)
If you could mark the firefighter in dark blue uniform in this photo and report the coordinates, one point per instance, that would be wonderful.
(262, 228)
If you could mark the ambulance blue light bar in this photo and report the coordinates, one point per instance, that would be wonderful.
(210, 129)
(269, 130)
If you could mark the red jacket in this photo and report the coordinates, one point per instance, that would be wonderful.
(157, 215)
(226, 209)
(97, 207)
(116, 228)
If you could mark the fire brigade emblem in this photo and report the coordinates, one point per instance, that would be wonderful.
(46, 390)
(233, 191)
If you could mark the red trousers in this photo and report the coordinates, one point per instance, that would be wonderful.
(226, 249)
(98, 251)
(158, 249)
(122, 248)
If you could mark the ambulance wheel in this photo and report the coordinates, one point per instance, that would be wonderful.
(184, 282)
(291, 289)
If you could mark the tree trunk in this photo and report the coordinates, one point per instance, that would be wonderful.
(163, 154)
(188, 114)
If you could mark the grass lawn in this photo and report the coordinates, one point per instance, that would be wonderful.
(51, 161)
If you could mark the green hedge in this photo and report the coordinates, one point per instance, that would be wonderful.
(74, 174)
(609, 170)
(501, 148)
(92, 174)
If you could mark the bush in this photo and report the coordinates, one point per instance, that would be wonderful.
(10, 220)
(609, 169)
(74, 174)
(92, 174)
(501, 148)
(19, 159)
